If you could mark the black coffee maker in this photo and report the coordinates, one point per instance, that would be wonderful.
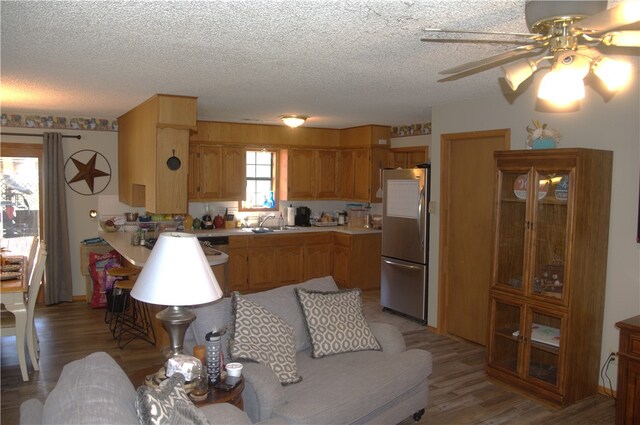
(303, 216)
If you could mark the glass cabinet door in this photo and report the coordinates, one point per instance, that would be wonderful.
(511, 229)
(505, 335)
(550, 230)
(544, 342)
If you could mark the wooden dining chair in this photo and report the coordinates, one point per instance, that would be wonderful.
(8, 320)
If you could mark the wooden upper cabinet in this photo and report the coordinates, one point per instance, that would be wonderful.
(148, 136)
(300, 173)
(408, 157)
(216, 173)
(176, 111)
(347, 174)
(326, 174)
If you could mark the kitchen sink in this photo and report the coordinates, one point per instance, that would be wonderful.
(267, 229)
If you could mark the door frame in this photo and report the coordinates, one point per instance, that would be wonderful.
(446, 141)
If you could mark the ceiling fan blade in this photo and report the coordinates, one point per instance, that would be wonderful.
(618, 16)
(491, 60)
(474, 40)
(622, 38)
(514, 34)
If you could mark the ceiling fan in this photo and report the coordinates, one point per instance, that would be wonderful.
(566, 34)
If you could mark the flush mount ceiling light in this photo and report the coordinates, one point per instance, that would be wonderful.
(293, 121)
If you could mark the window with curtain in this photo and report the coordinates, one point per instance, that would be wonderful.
(20, 191)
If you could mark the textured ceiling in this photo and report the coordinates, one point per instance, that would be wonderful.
(344, 63)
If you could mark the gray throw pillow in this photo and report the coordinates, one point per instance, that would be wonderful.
(167, 404)
(335, 322)
(263, 337)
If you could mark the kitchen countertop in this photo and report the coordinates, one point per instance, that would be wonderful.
(137, 255)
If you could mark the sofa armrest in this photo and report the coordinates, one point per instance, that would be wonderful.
(389, 337)
(262, 391)
(225, 413)
(31, 412)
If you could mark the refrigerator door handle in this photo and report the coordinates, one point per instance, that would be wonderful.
(406, 266)
(421, 199)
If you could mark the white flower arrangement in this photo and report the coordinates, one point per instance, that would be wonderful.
(541, 131)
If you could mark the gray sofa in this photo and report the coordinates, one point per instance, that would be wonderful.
(383, 387)
(95, 390)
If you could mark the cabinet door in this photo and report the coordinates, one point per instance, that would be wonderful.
(237, 276)
(210, 165)
(300, 174)
(361, 172)
(233, 173)
(399, 159)
(347, 176)
(327, 174)
(317, 261)
(504, 349)
(544, 330)
(289, 265)
(550, 233)
(262, 268)
(193, 181)
(416, 157)
(511, 226)
(342, 266)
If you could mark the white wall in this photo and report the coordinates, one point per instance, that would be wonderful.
(81, 226)
(614, 125)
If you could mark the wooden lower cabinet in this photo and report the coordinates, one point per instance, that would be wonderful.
(356, 260)
(628, 390)
(261, 262)
(237, 265)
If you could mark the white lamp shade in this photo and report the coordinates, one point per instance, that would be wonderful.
(615, 74)
(516, 73)
(176, 273)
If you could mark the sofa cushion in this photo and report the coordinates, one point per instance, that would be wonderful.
(352, 385)
(282, 301)
(335, 322)
(261, 336)
(167, 404)
(88, 390)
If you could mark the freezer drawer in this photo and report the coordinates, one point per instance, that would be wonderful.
(404, 287)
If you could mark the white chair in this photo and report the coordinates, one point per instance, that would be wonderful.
(8, 319)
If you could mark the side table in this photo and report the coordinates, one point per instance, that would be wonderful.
(233, 397)
(215, 396)
(628, 391)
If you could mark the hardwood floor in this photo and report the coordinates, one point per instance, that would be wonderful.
(460, 392)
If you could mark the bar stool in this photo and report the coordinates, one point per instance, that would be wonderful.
(130, 316)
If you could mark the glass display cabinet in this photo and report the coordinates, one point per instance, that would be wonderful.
(551, 224)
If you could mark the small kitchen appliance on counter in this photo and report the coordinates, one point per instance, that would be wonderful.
(303, 216)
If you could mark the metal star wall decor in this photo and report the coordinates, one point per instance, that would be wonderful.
(88, 166)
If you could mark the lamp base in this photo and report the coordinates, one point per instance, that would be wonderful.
(176, 320)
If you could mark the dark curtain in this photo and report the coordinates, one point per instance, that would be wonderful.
(58, 287)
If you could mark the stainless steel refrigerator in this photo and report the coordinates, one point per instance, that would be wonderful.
(405, 241)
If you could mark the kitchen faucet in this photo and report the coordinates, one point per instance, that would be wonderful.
(262, 220)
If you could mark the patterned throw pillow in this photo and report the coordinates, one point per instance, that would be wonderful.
(261, 336)
(167, 404)
(335, 322)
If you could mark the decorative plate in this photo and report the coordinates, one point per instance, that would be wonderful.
(10, 275)
(520, 186)
(562, 189)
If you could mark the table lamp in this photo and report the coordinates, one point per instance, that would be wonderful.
(176, 274)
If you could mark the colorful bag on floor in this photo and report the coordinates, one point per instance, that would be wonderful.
(102, 282)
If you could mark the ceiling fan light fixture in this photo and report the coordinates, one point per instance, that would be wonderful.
(614, 74)
(293, 121)
(561, 88)
(518, 72)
